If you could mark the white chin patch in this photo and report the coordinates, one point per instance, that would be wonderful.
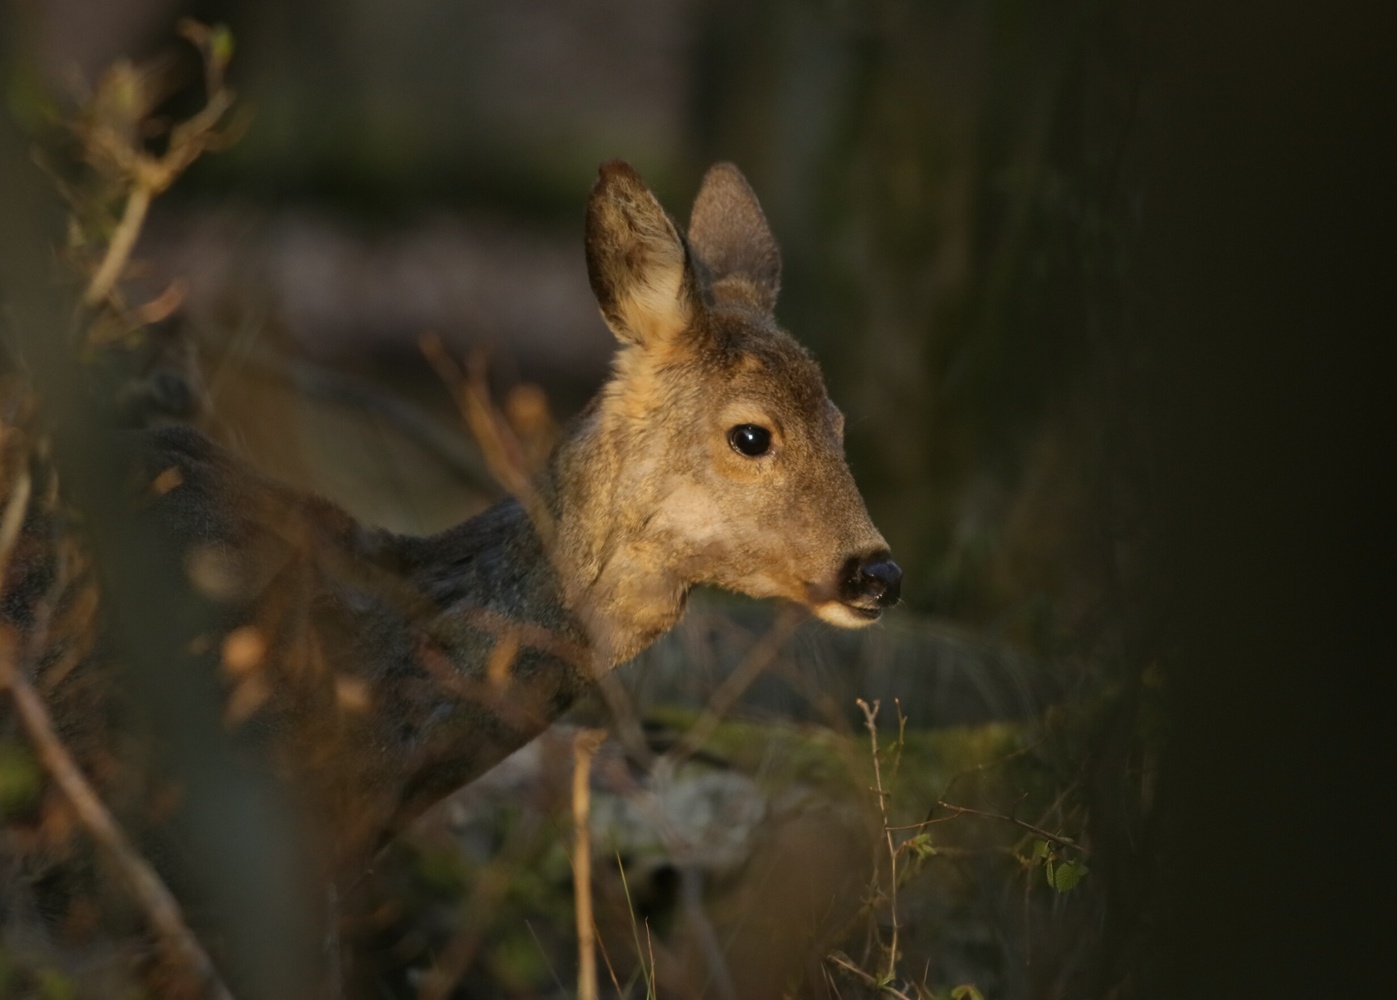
(838, 613)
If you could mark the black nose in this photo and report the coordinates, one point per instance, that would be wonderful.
(880, 579)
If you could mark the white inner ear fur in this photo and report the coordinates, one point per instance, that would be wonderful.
(654, 310)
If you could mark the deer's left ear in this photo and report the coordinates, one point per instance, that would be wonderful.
(638, 263)
(731, 237)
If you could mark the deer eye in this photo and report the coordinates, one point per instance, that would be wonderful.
(750, 440)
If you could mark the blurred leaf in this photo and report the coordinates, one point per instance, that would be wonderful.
(1066, 875)
(966, 991)
(55, 985)
(518, 962)
(220, 45)
(444, 871)
(20, 780)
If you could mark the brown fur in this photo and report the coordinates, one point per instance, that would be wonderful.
(398, 668)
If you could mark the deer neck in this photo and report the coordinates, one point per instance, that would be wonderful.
(620, 577)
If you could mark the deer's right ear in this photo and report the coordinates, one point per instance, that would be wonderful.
(637, 261)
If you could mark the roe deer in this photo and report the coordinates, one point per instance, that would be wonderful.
(385, 671)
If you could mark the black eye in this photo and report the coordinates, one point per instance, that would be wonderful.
(750, 440)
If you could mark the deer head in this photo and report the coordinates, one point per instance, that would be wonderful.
(721, 453)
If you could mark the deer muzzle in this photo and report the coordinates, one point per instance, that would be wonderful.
(870, 583)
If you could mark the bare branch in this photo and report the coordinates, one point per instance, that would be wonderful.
(1037, 831)
(870, 717)
(150, 892)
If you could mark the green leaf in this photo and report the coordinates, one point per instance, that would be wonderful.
(1067, 875)
(20, 780)
(966, 991)
(921, 846)
(221, 44)
(1040, 850)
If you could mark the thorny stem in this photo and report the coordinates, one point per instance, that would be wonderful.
(870, 716)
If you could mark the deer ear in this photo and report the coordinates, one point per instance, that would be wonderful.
(729, 234)
(638, 263)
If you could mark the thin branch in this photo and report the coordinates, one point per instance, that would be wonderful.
(835, 958)
(870, 717)
(149, 175)
(13, 519)
(1037, 831)
(122, 243)
(988, 765)
(584, 745)
(502, 450)
(160, 906)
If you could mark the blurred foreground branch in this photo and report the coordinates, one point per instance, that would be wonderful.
(150, 892)
(234, 829)
(112, 140)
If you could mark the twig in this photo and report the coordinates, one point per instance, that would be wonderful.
(987, 765)
(870, 716)
(150, 175)
(1037, 831)
(13, 519)
(835, 958)
(584, 745)
(160, 906)
(503, 453)
(122, 243)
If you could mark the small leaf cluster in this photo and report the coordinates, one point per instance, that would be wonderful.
(1062, 874)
